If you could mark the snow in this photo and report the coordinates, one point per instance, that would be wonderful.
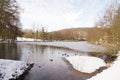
(86, 64)
(10, 69)
(112, 73)
(27, 39)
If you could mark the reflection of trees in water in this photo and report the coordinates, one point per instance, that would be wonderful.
(40, 48)
(8, 51)
(37, 48)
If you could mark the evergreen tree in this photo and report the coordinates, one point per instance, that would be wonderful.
(9, 19)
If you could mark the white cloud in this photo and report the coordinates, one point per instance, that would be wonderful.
(73, 16)
(57, 14)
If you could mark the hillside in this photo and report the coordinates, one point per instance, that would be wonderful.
(71, 34)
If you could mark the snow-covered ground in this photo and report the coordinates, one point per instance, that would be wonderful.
(10, 69)
(112, 73)
(85, 63)
(27, 39)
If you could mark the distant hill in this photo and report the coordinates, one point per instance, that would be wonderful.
(70, 34)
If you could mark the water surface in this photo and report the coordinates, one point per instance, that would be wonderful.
(49, 61)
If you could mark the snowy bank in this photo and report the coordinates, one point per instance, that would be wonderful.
(85, 63)
(27, 39)
(12, 70)
(112, 73)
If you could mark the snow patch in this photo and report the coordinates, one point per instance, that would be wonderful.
(10, 69)
(112, 73)
(86, 64)
(27, 39)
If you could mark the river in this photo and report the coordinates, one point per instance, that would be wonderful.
(50, 63)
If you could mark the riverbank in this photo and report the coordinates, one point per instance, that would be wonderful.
(86, 64)
(112, 73)
(13, 70)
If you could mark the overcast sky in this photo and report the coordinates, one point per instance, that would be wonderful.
(60, 14)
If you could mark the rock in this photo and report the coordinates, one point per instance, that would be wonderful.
(21, 77)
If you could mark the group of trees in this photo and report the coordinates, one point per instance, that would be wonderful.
(36, 34)
(107, 29)
(65, 34)
(70, 34)
(62, 35)
(9, 19)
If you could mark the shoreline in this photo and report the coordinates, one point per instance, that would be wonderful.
(14, 69)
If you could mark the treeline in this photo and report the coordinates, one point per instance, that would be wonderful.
(40, 33)
(72, 34)
(107, 29)
(76, 34)
(9, 20)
